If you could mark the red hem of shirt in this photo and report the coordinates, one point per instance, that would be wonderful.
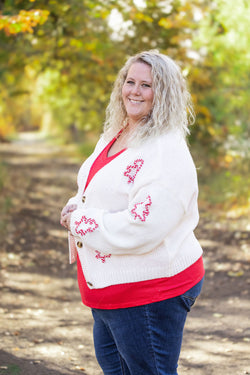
(142, 292)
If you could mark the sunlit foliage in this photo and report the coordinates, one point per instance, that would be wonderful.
(58, 61)
(23, 22)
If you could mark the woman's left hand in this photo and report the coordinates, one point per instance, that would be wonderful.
(65, 221)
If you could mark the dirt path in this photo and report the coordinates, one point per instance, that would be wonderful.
(44, 327)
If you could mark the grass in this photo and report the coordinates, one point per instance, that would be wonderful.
(5, 200)
(10, 370)
(3, 175)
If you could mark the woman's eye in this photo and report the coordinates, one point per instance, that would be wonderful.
(129, 82)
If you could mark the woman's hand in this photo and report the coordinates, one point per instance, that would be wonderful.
(65, 221)
(68, 208)
(66, 215)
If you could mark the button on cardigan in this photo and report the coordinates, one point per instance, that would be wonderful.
(139, 214)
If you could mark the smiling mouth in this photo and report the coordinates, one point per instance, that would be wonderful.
(135, 101)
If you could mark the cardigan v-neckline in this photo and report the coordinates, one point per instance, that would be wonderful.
(101, 161)
(108, 147)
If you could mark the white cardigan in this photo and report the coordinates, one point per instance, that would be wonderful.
(138, 214)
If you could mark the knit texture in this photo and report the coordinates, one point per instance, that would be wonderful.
(137, 220)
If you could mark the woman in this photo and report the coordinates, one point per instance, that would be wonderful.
(131, 223)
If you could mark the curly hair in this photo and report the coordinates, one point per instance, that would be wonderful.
(172, 105)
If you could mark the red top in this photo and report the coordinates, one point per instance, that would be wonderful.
(139, 293)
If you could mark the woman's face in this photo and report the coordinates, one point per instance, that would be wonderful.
(137, 93)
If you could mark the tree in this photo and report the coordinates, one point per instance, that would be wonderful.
(223, 56)
(71, 60)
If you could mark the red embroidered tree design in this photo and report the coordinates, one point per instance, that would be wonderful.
(85, 225)
(141, 210)
(102, 257)
(133, 169)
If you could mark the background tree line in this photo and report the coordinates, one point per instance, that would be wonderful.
(59, 59)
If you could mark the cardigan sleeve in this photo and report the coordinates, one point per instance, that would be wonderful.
(152, 214)
(161, 200)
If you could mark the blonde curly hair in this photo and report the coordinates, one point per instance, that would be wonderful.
(172, 105)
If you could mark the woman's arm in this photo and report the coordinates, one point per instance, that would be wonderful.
(151, 215)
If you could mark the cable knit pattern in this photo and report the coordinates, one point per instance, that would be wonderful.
(137, 219)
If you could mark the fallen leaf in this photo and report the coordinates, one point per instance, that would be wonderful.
(235, 274)
(218, 315)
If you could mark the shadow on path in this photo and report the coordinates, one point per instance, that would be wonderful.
(12, 365)
(45, 329)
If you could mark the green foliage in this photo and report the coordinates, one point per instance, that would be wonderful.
(58, 73)
(10, 370)
(224, 181)
(5, 201)
(3, 175)
(85, 149)
(222, 43)
(69, 63)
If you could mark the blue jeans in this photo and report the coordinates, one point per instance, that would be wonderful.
(143, 340)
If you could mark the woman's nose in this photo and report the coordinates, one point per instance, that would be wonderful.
(136, 89)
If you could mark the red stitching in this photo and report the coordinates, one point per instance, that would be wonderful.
(144, 206)
(102, 257)
(92, 225)
(133, 169)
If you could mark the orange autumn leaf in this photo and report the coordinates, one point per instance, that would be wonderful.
(24, 22)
